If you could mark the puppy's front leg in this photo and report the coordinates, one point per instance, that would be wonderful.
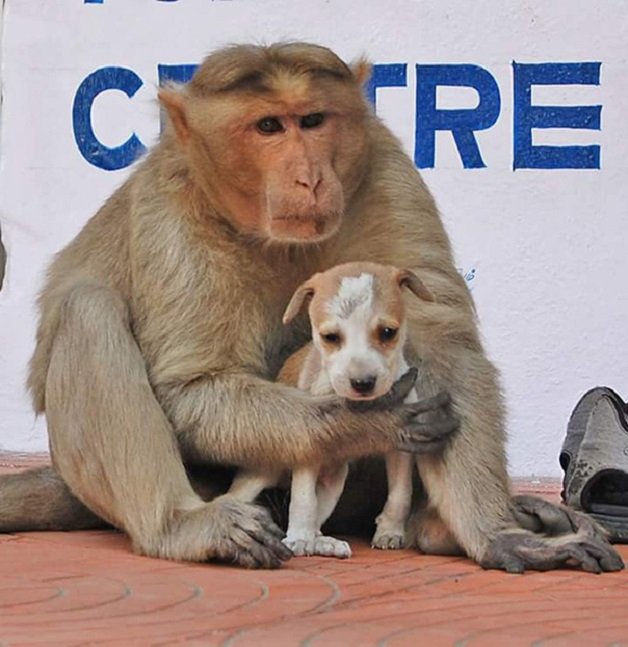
(330, 485)
(391, 522)
(302, 524)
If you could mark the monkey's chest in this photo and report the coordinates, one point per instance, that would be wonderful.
(208, 331)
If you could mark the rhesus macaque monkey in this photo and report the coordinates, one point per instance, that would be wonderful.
(160, 331)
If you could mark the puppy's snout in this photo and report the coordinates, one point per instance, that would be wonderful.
(364, 385)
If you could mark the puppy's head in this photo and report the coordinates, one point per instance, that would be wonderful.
(358, 323)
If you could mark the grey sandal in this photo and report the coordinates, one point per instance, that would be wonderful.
(595, 459)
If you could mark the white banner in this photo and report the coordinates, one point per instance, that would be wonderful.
(514, 111)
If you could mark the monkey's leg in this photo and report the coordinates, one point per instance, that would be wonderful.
(38, 499)
(391, 522)
(114, 447)
(469, 486)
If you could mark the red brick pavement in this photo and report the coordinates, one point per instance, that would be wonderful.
(87, 588)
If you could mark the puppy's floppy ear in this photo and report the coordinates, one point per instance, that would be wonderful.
(408, 279)
(303, 293)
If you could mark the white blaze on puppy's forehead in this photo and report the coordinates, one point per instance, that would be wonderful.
(354, 291)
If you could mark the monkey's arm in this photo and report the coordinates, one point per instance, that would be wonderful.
(115, 448)
(241, 419)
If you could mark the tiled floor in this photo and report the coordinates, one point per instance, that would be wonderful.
(87, 588)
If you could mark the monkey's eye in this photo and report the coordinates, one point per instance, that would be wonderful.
(269, 125)
(387, 334)
(312, 121)
(331, 338)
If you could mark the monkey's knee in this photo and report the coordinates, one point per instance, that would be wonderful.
(428, 532)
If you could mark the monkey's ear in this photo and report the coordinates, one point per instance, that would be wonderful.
(303, 293)
(361, 70)
(174, 103)
(408, 279)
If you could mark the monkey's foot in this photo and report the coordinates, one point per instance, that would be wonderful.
(386, 539)
(226, 530)
(518, 551)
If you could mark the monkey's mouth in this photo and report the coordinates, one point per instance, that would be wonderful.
(309, 227)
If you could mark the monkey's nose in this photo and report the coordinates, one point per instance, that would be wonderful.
(364, 385)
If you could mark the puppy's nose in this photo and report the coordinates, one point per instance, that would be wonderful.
(364, 385)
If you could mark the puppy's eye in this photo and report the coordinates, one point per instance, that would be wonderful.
(387, 334)
(313, 120)
(331, 338)
(269, 125)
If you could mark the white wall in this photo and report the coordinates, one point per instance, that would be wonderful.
(547, 246)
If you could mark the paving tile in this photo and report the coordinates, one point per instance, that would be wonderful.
(88, 588)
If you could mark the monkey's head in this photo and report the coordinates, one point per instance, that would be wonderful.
(358, 323)
(276, 136)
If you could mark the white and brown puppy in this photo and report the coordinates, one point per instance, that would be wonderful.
(358, 324)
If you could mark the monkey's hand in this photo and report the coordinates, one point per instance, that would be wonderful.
(540, 516)
(225, 530)
(422, 427)
(515, 551)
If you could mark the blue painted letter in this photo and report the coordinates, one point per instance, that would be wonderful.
(386, 75)
(461, 122)
(96, 153)
(528, 116)
(176, 73)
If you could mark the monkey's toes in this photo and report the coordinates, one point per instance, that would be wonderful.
(249, 536)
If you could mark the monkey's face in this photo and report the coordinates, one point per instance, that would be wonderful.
(287, 167)
(359, 333)
(279, 150)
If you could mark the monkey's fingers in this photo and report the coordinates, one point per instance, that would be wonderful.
(436, 402)
(607, 557)
(538, 515)
(411, 446)
(395, 396)
(427, 436)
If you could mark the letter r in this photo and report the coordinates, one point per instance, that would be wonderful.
(461, 122)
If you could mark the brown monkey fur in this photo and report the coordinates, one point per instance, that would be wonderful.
(160, 330)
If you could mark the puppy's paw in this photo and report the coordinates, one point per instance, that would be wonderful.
(331, 547)
(390, 533)
(300, 545)
(388, 540)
